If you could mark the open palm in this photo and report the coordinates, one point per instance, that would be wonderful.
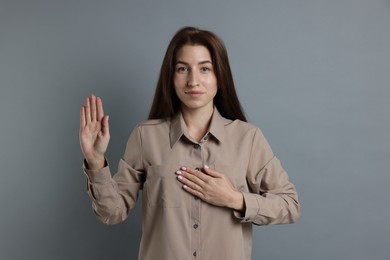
(94, 132)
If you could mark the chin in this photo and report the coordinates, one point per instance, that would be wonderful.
(194, 106)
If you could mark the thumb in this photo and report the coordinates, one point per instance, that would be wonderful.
(105, 126)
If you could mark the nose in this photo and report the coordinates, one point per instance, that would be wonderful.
(192, 79)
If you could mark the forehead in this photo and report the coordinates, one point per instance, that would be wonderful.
(194, 53)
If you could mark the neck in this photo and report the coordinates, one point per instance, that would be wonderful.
(197, 121)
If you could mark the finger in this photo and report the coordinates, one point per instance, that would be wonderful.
(105, 126)
(93, 108)
(190, 180)
(82, 116)
(87, 110)
(194, 175)
(211, 172)
(193, 192)
(188, 183)
(100, 111)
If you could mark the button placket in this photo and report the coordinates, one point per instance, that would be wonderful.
(195, 233)
(198, 169)
(197, 160)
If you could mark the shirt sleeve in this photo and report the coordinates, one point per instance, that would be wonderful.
(114, 197)
(272, 198)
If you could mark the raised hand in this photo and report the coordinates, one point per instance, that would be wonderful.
(94, 132)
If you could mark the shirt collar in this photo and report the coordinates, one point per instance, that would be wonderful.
(216, 129)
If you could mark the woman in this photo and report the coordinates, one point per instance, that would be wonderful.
(206, 174)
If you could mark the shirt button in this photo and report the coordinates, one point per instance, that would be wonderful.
(195, 226)
(196, 146)
(194, 254)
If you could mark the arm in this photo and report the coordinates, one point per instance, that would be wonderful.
(112, 197)
(272, 198)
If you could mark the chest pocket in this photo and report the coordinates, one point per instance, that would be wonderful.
(236, 175)
(161, 187)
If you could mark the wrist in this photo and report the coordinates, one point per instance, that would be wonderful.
(238, 203)
(96, 164)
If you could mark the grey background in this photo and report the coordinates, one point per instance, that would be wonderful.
(313, 75)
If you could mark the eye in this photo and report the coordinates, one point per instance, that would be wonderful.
(205, 69)
(181, 69)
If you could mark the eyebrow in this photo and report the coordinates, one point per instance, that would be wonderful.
(185, 63)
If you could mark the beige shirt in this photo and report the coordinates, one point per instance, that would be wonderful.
(177, 225)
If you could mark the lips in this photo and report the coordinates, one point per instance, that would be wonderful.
(194, 93)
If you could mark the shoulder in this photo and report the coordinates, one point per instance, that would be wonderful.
(152, 126)
(242, 126)
(245, 130)
(153, 122)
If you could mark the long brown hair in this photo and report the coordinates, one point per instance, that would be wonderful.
(166, 103)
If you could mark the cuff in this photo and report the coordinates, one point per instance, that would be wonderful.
(251, 208)
(101, 175)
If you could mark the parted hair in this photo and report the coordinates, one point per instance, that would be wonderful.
(167, 104)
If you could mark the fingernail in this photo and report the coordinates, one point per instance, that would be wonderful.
(178, 172)
(179, 177)
(183, 168)
(206, 167)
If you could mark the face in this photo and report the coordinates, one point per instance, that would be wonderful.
(194, 78)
